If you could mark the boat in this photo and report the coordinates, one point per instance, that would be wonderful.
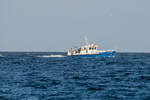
(90, 50)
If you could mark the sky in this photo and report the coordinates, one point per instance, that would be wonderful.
(56, 25)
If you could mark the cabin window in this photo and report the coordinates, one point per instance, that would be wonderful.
(79, 50)
(92, 48)
(95, 48)
(89, 48)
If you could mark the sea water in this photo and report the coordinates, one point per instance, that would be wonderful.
(54, 76)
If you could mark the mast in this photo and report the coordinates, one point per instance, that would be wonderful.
(86, 40)
(86, 43)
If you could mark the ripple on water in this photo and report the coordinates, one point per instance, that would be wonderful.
(24, 76)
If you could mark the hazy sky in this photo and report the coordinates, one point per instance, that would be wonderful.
(56, 25)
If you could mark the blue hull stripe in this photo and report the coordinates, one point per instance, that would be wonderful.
(103, 54)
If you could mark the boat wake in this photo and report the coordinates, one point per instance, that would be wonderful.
(1, 55)
(50, 56)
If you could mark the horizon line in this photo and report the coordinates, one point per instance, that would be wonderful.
(66, 51)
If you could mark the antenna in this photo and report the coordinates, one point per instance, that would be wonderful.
(86, 40)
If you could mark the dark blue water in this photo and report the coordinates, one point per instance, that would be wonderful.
(52, 76)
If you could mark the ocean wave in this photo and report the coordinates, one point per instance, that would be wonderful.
(49, 56)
